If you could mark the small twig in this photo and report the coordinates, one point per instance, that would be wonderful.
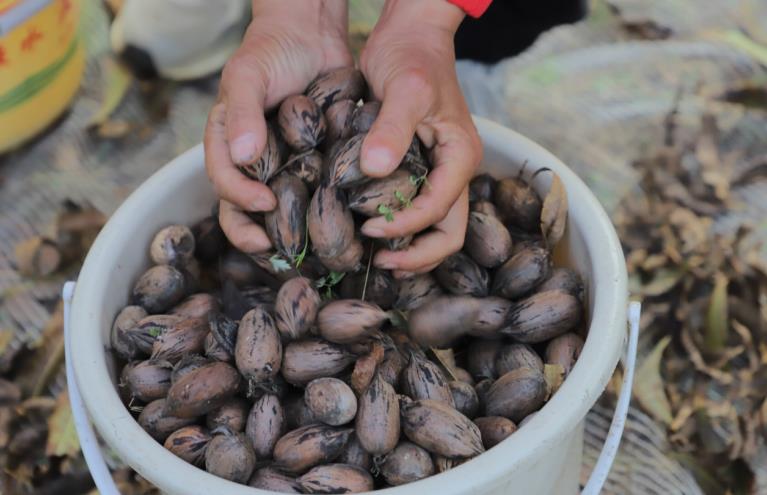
(367, 273)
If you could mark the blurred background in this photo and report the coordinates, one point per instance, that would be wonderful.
(659, 105)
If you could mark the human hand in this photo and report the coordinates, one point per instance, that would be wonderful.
(287, 45)
(409, 63)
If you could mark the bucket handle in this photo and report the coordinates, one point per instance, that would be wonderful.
(610, 448)
(89, 444)
(105, 484)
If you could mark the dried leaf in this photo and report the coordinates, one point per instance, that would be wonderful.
(648, 386)
(717, 317)
(62, 435)
(446, 360)
(554, 212)
(662, 281)
(554, 374)
(117, 80)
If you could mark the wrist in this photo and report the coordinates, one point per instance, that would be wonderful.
(326, 17)
(439, 14)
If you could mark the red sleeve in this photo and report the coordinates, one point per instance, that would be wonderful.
(473, 8)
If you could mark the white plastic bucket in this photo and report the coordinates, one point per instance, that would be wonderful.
(542, 457)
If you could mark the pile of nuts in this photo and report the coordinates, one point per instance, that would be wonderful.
(307, 370)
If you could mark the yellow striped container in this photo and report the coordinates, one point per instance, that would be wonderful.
(41, 65)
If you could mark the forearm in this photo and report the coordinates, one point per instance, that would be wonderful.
(329, 16)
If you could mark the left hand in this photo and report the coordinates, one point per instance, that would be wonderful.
(409, 63)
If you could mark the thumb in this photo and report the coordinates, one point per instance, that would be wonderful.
(405, 103)
(244, 90)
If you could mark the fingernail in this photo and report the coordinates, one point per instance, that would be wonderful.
(243, 149)
(263, 204)
(372, 231)
(378, 161)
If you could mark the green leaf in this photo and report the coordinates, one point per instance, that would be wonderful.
(386, 212)
(717, 316)
(663, 281)
(299, 258)
(402, 199)
(155, 331)
(62, 436)
(279, 264)
(648, 386)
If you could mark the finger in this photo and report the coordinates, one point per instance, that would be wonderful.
(455, 161)
(430, 249)
(406, 101)
(243, 87)
(231, 184)
(242, 232)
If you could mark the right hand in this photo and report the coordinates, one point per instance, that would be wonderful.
(286, 46)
